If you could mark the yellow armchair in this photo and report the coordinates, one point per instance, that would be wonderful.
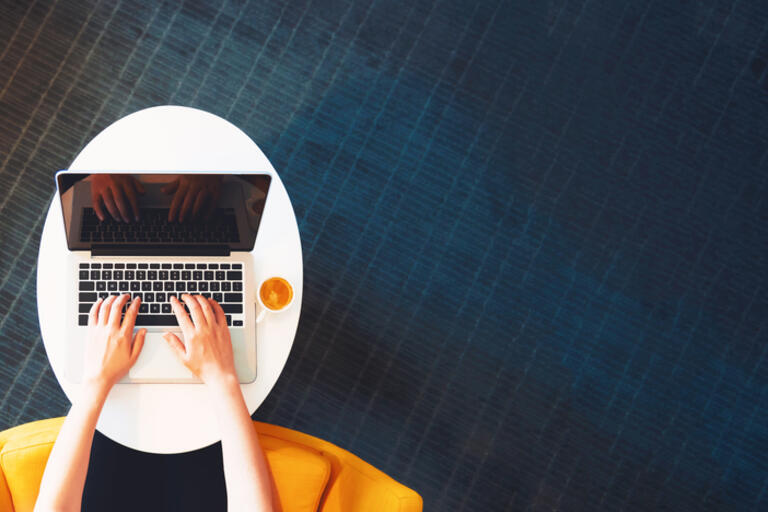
(309, 474)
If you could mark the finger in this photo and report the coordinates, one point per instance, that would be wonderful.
(171, 187)
(93, 316)
(117, 309)
(139, 186)
(210, 317)
(221, 317)
(176, 345)
(96, 202)
(200, 202)
(130, 191)
(104, 309)
(129, 321)
(178, 198)
(109, 202)
(189, 198)
(181, 316)
(118, 192)
(194, 309)
(138, 344)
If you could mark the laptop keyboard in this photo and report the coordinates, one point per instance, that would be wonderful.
(153, 227)
(156, 282)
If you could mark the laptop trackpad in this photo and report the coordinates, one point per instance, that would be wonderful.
(157, 363)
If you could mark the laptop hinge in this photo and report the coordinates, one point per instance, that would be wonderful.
(158, 250)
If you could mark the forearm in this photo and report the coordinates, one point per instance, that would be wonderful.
(247, 476)
(62, 486)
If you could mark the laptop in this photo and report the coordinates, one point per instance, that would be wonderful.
(158, 234)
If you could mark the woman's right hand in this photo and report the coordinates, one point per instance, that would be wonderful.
(207, 346)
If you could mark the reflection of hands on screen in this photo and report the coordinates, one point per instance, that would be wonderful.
(193, 197)
(116, 192)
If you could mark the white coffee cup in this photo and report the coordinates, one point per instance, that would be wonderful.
(266, 309)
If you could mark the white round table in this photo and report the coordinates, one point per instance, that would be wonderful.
(174, 418)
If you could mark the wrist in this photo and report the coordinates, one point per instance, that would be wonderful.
(95, 387)
(223, 382)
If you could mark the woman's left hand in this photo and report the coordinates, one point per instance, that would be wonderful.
(111, 348)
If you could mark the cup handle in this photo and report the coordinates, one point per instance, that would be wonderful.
(261, 315)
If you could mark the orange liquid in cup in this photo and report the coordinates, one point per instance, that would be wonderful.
(276, 293)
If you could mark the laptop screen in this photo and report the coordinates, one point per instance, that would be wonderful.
(184, 213)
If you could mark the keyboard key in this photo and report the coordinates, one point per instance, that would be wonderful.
(87, 297)
(166, 265)
(103, 295)
(160, 297)
(152, 275)
(206, 295)
(221, 275)
(233, 276)
(226, 286)
(154, 307)
(141, 275)
(95, 265)
(181, 286)
(237, 265)
(130, 265)
(106, 275)
(143, 265)
(237, 286)
(139, 296)
(224, 266)
(237, 323)
(112, 286)
(130, 275)
(149, 297)
(168, 286)
(143, 308)
(154, 265)
(186, 275)
(87, 286)
(189, 266)
(232, 308)
(117, 275)
(166, 307)
(143, 320)
(84, 274)
(233, 297)
(175, 275)
(229, 319)
(95, 275)
(218, 297)
(82, 320)
(192, 286)
(106, 265)
(178, 266)
(135, 286)
(83, 265)
(146, 286)
(214, 286)
(85, 308)
(163, 275)
(208, 275)
(123, 286)
(203, 286)
(201, 266)
(119, 265)
(213, 266)
(197, 275)
(101, 286)
(157, 286)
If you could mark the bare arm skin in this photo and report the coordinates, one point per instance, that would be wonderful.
(207, 352)
(111, 350)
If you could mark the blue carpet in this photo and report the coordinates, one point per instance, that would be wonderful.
(535, 233)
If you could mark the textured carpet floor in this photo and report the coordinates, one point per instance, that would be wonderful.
(535, 233)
